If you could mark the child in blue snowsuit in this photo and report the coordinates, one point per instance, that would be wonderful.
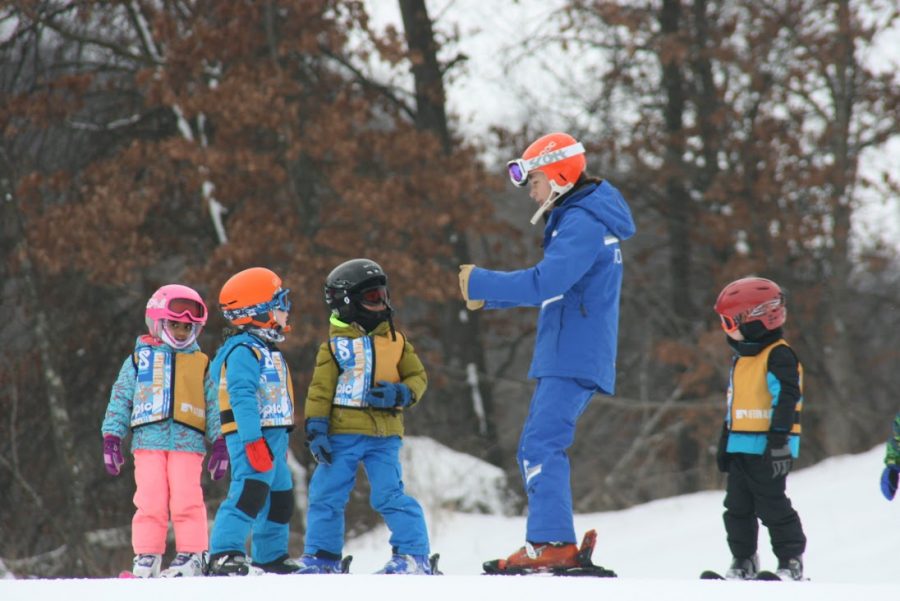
(367, 374)
(577, 286)
(257, 409)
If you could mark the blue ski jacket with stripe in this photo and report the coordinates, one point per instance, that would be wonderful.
(576, 285)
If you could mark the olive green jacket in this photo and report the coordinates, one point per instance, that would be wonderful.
(368, 420)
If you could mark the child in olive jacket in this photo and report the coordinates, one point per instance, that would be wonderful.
(366, 375)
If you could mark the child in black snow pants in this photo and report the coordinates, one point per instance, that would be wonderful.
(761, 435)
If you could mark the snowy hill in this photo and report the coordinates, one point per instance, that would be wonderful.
(658, 549)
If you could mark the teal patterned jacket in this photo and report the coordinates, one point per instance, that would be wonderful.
(892, 454)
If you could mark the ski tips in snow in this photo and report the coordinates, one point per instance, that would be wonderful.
(583, 564)
(345, 564)
(762, 575)
(433, 562)
(710, 575)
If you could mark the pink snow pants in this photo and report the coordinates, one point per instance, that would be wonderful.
(168, 482)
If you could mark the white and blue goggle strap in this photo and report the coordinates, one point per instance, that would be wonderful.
(519, 169)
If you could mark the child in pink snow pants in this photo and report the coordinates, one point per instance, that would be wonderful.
(164, 396)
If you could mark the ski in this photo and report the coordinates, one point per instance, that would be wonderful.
(126, 574)
(345, 564)
(710, 575)
(433, 562)
(585, 567)
(766, 575)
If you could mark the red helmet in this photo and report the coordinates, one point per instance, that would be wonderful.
(751, 299)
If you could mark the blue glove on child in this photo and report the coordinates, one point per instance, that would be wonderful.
(389, 395)
(889, 481)
(317, 439)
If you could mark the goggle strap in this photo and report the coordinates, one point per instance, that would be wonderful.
(554, 156)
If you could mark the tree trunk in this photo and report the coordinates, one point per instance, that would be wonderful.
(461, 335)
(677, 202)
(77, 560)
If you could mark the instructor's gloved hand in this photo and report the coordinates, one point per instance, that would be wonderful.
(388, 395)
(722, 459)
(465, 271)
(778, 454)
(259, 455)
(218, 459)
(112, 454)
(317, 439)
(889, 481)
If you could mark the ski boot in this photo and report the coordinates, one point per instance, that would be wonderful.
(743, 568)
(561, 559)
(323, 562)
(186, 564)
(411, 564)
(280, 565)
(146, 565)
(231, 564)
(790, 569)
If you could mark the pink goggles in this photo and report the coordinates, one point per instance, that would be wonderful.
(185, 309)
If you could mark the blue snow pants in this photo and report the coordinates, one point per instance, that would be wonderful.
(549, 431)
(258, 503)
(330, 487)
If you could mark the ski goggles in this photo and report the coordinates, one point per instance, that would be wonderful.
(519, 169)
(185, 308)
(729, 324)
(279, 302)
(374, 296)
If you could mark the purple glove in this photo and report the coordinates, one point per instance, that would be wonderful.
(218, 459)
(112, 454)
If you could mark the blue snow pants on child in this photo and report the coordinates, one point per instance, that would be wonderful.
(330, 487)
(549, 431)
(260, 503)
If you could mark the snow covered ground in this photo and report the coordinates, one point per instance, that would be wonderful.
(658, 550)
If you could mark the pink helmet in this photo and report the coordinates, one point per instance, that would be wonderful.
(175, 303)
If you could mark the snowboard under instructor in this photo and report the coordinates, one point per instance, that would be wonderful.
(577, 286)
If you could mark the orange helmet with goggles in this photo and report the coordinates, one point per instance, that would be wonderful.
(250, 296)
(559, 156)
(751, 299)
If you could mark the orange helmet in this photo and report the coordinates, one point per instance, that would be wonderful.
(250, 296)
(559, 156)
(751, 299)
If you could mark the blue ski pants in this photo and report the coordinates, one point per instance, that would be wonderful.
(549, 431)
(330, 487)
(259, 504)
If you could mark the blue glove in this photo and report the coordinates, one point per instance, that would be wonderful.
(388, 395)
(317, 439)
(889, 481)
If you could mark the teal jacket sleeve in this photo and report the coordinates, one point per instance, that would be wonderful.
(242, 373)
(117, 420)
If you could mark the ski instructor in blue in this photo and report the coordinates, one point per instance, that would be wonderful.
(576, 286)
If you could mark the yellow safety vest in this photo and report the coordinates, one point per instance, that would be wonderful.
(749, 398)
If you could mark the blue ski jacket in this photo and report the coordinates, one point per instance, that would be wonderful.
(577, 286)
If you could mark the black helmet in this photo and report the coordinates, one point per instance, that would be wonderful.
(347, 286)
